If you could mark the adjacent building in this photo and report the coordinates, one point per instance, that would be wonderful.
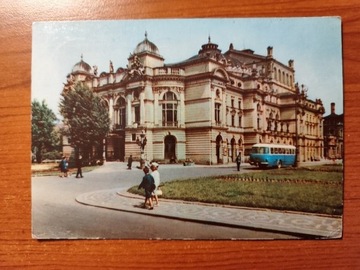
(334, 135)
(207, 108)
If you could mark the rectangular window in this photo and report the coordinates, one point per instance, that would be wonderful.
(217, 113)
(122, 118)
(137, 114)
(169, 114)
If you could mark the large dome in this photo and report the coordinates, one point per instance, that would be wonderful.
(82, 67)
(146, 46)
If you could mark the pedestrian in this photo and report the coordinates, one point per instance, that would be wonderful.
(64, 167)
(156, 175)
(238, 161)
(79, 166)
(130, 160)
(148, 185)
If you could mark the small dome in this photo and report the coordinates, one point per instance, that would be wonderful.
(82, 67)
(146, 46)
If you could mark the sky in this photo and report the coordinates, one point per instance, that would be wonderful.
(314, 43)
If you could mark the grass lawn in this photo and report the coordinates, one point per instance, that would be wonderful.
(314, 189)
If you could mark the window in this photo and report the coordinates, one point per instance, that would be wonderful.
(279, 75)
(137, 113)
(169, 109)
(122, 113)
(275, 73)
(217, 113)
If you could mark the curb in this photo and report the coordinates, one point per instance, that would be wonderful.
(298, 224)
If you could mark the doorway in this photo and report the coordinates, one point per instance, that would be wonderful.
(170, 148)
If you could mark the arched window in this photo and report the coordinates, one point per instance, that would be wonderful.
(275, 73)
(169, 109)
(283, 77)
(279, 77)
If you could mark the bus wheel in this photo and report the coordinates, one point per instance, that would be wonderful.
(278, 164)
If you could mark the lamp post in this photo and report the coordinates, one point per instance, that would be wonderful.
(142, 143)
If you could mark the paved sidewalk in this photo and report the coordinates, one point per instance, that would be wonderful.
(307, 225)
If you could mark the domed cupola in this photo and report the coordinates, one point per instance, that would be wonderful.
(146, 46)
(146, 54)
(209, 49)
(82, 67)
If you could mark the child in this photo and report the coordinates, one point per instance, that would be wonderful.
(148, 184)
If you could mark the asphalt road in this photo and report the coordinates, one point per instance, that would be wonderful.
(56, 214)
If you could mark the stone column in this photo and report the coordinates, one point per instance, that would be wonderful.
(156, 107)
(111, 111)
(128, 110)
(142, 108)
(182, 108)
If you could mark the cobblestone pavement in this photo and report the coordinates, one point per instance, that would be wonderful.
(308, 225)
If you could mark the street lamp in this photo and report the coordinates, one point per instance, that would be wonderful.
(142, 143)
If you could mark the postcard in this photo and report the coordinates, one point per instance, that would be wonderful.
(191, 129)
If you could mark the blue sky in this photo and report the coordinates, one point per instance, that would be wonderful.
(313, 43)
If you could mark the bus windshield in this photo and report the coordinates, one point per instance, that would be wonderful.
(260, 150)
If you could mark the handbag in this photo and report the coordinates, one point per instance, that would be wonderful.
(159, 192)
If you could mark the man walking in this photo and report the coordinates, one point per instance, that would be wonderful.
(130, 160)
(148, 185)
(238, 161)
(79, 166)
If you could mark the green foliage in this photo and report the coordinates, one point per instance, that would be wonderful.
(44, 138)
(86, 118)
(52, 155)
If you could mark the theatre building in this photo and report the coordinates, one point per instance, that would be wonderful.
(207, 108)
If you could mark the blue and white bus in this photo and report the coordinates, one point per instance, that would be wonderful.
(272, 155)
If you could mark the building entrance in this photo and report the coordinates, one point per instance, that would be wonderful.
(170, 148)
(115, 149)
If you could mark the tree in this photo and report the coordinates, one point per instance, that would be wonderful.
(44, 138)
(86, 119)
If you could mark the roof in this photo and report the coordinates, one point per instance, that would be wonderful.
(82, 67)
(146, 46)
(273, 145)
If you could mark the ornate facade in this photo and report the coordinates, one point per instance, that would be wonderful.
(207, 108)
